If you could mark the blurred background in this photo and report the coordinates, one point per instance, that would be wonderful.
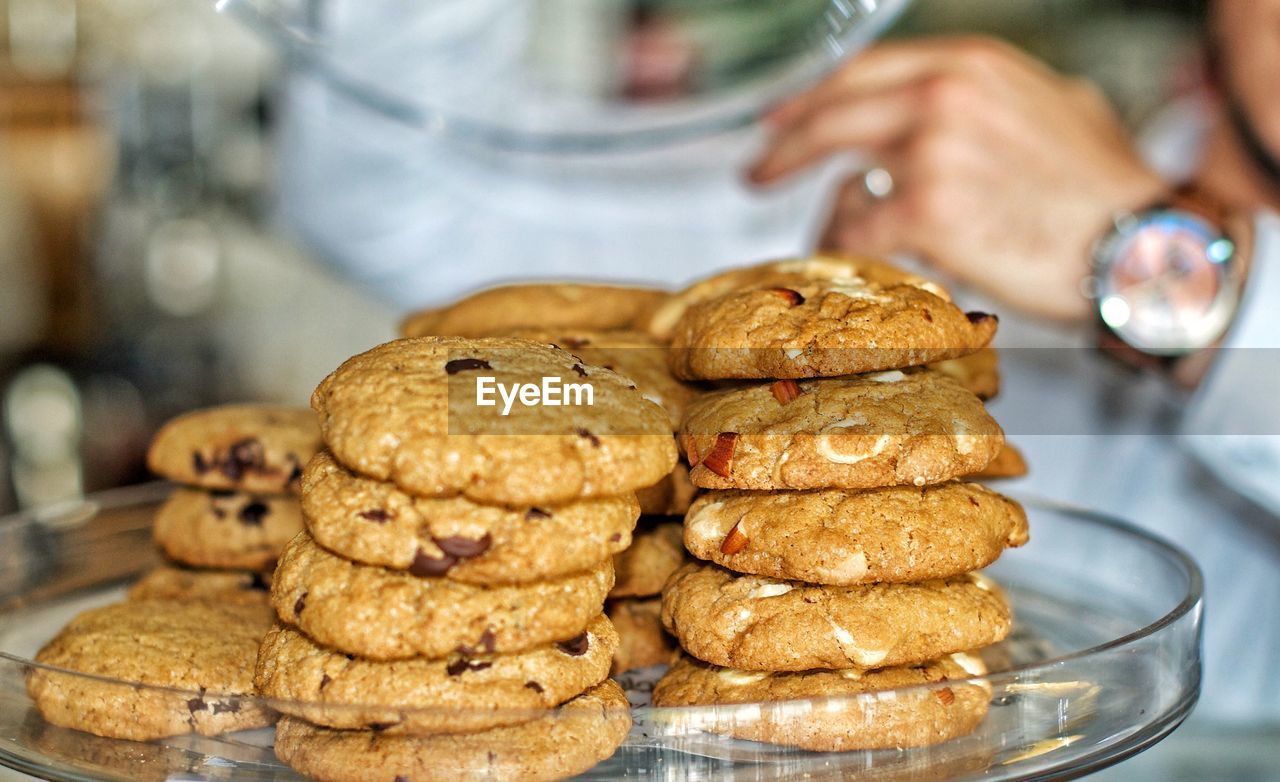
(146, 266)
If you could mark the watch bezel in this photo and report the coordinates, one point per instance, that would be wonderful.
(1216, 319)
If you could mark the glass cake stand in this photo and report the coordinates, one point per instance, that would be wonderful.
(1104, 662)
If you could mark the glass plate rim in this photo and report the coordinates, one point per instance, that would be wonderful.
(141, 493)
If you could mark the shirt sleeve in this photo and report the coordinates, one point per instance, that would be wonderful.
(1232, 425)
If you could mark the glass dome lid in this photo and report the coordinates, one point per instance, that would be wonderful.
(568, 75)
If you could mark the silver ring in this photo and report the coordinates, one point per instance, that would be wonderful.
(878, 183)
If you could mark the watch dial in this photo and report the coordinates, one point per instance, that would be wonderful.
(1163, 290)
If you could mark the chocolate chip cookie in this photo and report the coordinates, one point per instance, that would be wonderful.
(632, 354)
(376, 523)
(655, 553)
(168, 582)
(761, 624)
(412, 412)
(833, 711)
(845, 537)
(562, 743)
(815, 323)
(392, 614)
(253, 448)
(913, 427)
(642, 640)
(499, 310)
(462, 693)
(220, 528)
(670, 496)
(196, 657)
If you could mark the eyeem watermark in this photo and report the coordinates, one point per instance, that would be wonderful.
(551, 392)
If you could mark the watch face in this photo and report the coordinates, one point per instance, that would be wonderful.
(1164, 288)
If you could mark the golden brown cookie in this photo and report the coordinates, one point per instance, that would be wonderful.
(885, 429)
(220, 528)
(642, 639)
(845, 537)
(462, 693)
(979, 372)
(391, 614)
(168, 582)
(833, 711)
(655, 553)
(760, 624)
(661, 322)
(670, 496)
(632, 354)
(563, 743)
(254, 448)
(376, 523)
(1009, 463)
(551, 305)
(407, 412)
(822, 318)
(196, 658)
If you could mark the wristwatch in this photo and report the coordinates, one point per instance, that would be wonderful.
(1167, 280)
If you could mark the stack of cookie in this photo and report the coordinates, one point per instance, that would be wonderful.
(455, 564)
(235, 508)
(839, 541)
(595, 323)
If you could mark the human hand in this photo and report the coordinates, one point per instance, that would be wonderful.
(1004, 172)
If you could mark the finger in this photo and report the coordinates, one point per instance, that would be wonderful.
(868, 122)
(881, 67)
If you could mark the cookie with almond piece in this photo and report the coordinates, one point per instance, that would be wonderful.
(763, 624)
(844, 537)
(900, 427)
(931, 703)
(821, 318)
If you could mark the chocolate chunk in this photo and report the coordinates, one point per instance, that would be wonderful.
(536, 513)
(298, 606)
(197, 703)
(581, 370)
(243, 456)
(462, 665)
(575, 647)
(424, 565)
(258, 582)
(462, 547)
(296, 473)
(374, 514)
(252, 514)
(324, 681)
(978, 317)
(485, 646)
(531, 684)
(595, 441)
(226, 707)
(465, 365)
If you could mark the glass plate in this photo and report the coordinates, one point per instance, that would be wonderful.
(1104, 662)
(568, 75)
